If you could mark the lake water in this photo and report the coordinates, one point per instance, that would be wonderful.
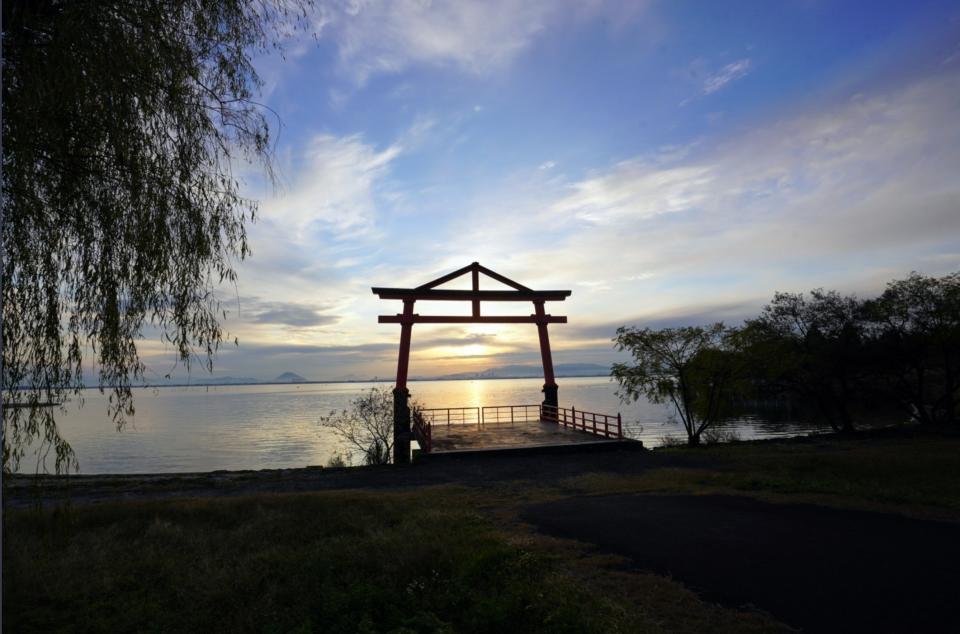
(179, 429)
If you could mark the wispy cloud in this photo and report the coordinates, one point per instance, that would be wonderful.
(335, 187)
(839, 195)
(729, 73)
(635, 189)
(387, 36)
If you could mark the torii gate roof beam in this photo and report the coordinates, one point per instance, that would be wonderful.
(466, 319)
(467, 295)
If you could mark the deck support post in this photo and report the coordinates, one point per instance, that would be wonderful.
(401, 395)
(401, 426)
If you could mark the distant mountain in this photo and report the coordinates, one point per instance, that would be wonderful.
(528, 371)
(290, 377)
(286, 377)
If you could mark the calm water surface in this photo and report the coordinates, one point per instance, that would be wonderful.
(276, 426)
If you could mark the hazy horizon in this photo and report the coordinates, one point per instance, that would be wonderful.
(499, 372)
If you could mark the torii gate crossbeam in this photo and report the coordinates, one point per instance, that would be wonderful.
(429, 292)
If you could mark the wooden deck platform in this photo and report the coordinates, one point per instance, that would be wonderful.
(506, 435)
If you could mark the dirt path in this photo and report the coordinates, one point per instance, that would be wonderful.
(816, 568)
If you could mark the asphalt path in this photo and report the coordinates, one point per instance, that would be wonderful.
(814, 568)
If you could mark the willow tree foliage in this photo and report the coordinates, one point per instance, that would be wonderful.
(122, 122)
(692, 368)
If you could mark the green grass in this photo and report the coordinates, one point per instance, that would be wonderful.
(916, 475)
(334, 562)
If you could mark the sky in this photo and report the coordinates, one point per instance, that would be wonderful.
(671, 163)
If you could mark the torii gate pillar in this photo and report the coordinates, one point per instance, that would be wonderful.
(401, 395)
(429, 292)
(549, 382)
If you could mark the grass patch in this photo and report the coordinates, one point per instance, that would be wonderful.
(917, 476)
(911, 473)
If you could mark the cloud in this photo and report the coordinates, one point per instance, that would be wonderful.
(362, 349)
(457, 341)
(843, 194)
(335, 188)
(900, 143)
(289, 314)
(387, 36)
(729, 73)
(731, 313)
(636, 189)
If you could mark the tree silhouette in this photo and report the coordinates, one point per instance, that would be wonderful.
(915, 326)
(692, 368)
(810, 348)
(367, 426)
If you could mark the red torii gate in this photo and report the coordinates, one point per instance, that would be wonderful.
(428, 291)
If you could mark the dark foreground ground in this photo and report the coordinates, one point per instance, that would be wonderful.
(823, 534)
(812, 567)
(480, 469)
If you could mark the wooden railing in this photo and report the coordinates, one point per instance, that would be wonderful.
(481, 415)
(452, 415)
(511, 414)
(423, 420)
(422, 430)
(605, 425)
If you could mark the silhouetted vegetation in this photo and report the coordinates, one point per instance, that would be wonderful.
(691, 368)
(830, 354)
(810, 349)
(367, 426)
(914, 333)
(123, 123)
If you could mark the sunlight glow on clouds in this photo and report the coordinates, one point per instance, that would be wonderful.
(581, 172)
(856, 186)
